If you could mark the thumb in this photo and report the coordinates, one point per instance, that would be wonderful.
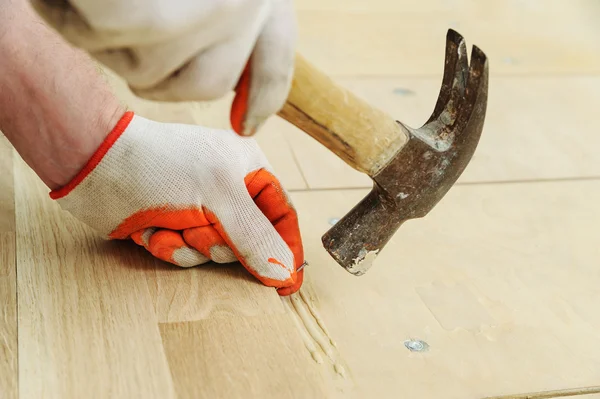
(265, 83)
(254, 241)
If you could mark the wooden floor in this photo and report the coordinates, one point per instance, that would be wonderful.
(501, 280)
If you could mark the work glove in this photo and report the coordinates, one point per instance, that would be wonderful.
(189, 194)
(189, 50)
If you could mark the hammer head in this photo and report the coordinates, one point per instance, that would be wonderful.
(423, 171)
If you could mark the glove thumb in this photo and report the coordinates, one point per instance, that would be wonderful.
(256, 243)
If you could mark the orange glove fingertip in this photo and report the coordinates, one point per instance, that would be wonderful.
(285, 291)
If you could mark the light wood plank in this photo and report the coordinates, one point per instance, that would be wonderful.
(241, 357)
(500, 280)
(394, 38)
(8, 318)
(208, 291)
(319, 167)
(7, 203)
(87, 327)
(8, 277)
(536, 128)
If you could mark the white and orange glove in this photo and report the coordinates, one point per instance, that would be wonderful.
(189, 195)
(189, 50)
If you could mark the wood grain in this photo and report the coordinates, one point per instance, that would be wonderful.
(208, 291)
(87, 327)
(8, 278)
(500, 280)
(8, 318)
(248, 357)
(392, 38)
(7, 197)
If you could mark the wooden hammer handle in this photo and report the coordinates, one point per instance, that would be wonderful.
(364, 137)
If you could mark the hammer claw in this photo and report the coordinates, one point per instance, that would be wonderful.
(477, 73)
(456, 69)
(475, 99)
(421, 173)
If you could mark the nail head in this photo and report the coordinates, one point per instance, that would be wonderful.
(416, 345)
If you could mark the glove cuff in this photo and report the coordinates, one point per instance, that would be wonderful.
(108, 142)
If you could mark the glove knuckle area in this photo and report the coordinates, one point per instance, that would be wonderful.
(169, 246)
(224, 156)
(210, 243)
(224, 170)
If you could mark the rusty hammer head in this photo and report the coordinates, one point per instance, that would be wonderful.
(421, 173)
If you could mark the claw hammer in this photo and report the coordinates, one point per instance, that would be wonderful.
(411, 169)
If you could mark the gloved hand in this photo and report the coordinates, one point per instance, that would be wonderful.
(189, 195)
(189, 50)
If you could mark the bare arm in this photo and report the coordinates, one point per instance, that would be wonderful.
(55, 107)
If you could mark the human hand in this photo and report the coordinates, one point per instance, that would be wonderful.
(183, 50)
(189, 195)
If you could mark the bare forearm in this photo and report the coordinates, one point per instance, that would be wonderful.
(55, 107)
